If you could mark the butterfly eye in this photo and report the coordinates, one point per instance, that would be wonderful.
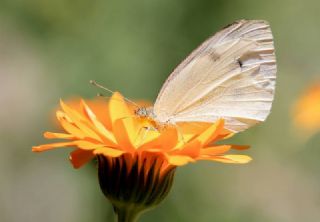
(142, 112)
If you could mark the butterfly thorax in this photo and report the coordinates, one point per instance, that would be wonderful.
(149, 114)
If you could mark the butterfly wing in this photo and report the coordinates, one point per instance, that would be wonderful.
(231, 76)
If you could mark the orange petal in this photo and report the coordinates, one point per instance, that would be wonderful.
(215, 150)
(108, 152)
(166, 141)
(224, 134)
(193, 128)
(153, 150)
(69, 126)
(179, 160)
(80, 157)
(145, 136)
(230, 158)
(72, 113)
(100, 108)
(118, 108)
(191, 149)
(124, 135)
(50, 146)
(80, 121)
(209, 135)
(50, 135)
(100, 127)
(239, 147)
(87, 145)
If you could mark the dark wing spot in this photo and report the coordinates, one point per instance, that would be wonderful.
(230, 24)
(233, 23)
(240, 63)
(214, 56)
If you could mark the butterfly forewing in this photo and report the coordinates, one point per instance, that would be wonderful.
(231, 76)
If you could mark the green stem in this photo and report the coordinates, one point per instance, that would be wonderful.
(126, 214)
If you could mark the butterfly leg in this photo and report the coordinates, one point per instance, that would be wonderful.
(146, 129)
(180, 134)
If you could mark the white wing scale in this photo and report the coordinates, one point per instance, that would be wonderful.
(231, 76)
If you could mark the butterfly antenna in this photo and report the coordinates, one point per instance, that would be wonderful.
(94, 83)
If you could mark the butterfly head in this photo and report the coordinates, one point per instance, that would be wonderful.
(144, 112)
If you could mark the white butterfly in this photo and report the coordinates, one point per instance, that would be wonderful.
(231, 76)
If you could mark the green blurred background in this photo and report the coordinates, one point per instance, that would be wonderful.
(51, 49)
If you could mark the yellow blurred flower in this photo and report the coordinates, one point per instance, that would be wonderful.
(306, 112)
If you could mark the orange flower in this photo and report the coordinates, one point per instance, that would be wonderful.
(306, 112)
(136, 159)
(121, 132)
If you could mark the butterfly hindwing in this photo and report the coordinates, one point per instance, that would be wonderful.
(231, 76)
